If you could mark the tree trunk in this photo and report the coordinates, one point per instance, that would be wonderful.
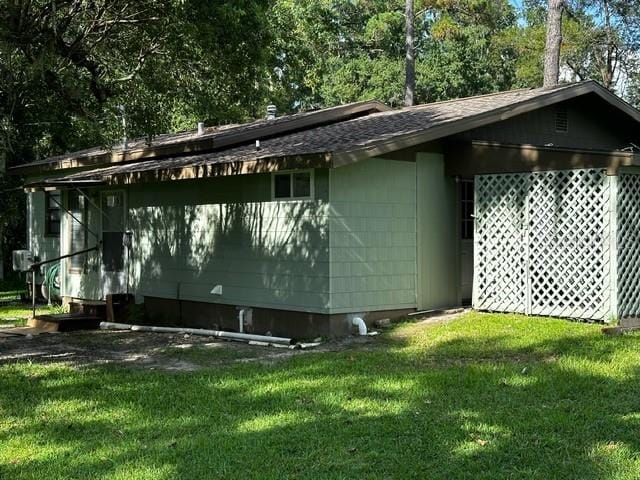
(554, 41)
(410, 61)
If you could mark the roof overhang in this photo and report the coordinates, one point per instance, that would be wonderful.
(478, 158)
(49, 185)
(173, 162)
(206, 142)
(454, 127)
(125, 175)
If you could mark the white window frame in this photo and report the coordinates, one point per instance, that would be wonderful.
(311, 196)
(71, 269)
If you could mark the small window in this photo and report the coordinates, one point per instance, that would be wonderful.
(52, 214)
(293, 185)
(466, 210)
(78, 217)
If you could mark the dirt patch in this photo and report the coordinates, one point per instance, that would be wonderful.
(174, 352)
(162, 351)
(420, 322)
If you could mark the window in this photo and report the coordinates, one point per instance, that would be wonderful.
(113, 231)
(466, 210)
(78, 232)
(293, 185)
(52, 214)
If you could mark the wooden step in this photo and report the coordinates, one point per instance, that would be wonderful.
(65, 322)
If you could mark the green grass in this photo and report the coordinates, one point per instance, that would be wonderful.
(485, 396)
(18, 314)
(11, 295)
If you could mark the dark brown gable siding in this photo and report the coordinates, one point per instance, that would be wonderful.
(592, 125)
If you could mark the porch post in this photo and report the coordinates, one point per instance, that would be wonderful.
(612, 315)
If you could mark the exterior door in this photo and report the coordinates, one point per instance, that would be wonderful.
(466, 240)
(112, 205)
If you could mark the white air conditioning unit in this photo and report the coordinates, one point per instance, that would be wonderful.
(22, 260)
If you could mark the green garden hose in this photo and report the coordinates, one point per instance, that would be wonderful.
(51, 283)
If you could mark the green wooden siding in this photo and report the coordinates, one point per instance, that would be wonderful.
(372, 222)
(41, 245)
(191, 236)
(353, 248)
(438, 252)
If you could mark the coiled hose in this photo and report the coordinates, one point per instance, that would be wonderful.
(51, 283)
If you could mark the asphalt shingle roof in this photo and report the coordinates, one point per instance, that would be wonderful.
(343, 136)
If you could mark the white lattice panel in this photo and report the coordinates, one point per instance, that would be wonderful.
(499, 243)
(569, 228)
(628, 203)
(542, 243)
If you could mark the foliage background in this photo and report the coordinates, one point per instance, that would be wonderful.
(66, 66)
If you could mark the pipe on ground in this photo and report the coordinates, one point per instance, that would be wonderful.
(242, 337)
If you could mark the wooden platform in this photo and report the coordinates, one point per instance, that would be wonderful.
(65, 322)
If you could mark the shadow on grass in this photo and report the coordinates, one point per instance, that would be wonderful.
(553, 408)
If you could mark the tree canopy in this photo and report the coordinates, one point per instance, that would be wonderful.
(66, 66)
(70, 68)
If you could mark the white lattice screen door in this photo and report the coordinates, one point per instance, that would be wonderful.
(628, 238)
(542, 243)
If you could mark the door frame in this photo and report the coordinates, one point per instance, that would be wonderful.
(120, 277)
(466, 300)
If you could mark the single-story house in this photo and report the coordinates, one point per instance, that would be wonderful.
(520, 201)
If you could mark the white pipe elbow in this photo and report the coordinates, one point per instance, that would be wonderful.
(241, 320)
(359, 322)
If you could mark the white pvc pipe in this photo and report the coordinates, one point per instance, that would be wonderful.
(241, 320)
(244, 337)
(359, 322)
(115, 326)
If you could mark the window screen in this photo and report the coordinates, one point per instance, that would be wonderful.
(466, 210)
(113, 231)
(52, 214)
(282, 185)
(78, 236)
(302, 184)
(295, 185)
(112, 251)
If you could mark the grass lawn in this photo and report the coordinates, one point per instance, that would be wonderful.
(17, 314)
(12, 310)
(484, 396)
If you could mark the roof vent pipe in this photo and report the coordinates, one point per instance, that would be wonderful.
(123, 119)
(271, 112)
(200, 128)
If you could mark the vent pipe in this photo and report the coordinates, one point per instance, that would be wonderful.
(271, 112)
(124, 126)
(200, 128)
